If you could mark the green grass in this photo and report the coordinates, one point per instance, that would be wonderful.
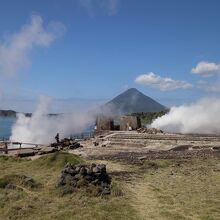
(56, 160)
(44, 200)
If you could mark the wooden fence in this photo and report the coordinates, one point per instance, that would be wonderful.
(6, 146)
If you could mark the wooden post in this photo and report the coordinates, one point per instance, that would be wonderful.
(6, 148)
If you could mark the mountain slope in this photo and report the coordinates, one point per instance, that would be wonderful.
(132, 101)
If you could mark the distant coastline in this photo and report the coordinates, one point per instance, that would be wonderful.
(7, 113)
(12, 113)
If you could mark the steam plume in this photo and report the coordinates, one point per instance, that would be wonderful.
(199, 117)
(41, 128)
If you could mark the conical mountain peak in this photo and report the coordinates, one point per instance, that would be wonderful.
(133, 101)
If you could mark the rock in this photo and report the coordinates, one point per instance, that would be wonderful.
(142, 158)
(96, 170)
(82, 171)
(106, 191)
(61, 181)
(105, 143)
(59, 148)
(85, 176)
(96, 182)
(89, 178)
(10, 186)
(78, 169)
(74, 146)
(69, 170)
(93, 165)
(77, 177)
(67, 165)
(95, 143)
(216, 168)
(102, 168)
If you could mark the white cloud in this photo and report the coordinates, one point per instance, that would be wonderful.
(206, 69)
(109, 7)
(164, 84)
(15, 50)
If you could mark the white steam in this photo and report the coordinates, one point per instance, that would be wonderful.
(200, 117)
(41, 128)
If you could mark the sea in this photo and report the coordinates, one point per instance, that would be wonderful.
(6, 124)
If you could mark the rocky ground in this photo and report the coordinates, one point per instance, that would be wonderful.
(135, 147)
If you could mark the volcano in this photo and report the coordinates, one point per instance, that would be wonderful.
(132, 101)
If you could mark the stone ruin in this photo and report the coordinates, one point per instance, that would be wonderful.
(129, 122)
(104, 123)
(73, 177)
(122, 123)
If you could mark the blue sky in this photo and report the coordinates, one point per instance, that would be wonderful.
(91, 50)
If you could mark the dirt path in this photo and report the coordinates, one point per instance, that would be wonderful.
(143, 200)
(140, 194)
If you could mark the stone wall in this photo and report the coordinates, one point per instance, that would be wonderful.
(104, 123)
(130, 123)
(126, 123)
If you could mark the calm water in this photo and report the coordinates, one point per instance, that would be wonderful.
(6, 124)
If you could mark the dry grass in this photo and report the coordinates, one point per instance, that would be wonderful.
(159, 189)
(179, 189)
